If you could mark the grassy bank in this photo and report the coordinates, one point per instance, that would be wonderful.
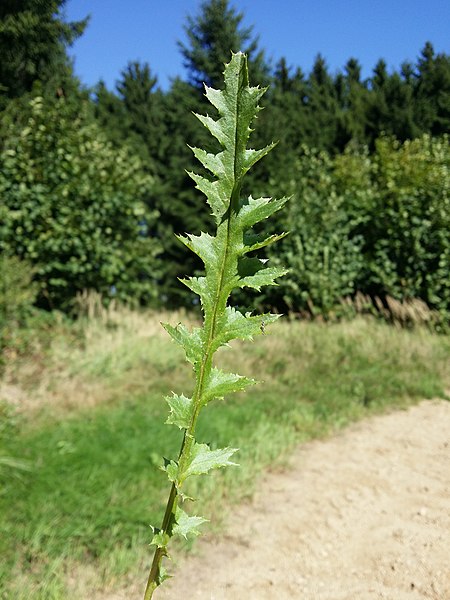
(87, 423)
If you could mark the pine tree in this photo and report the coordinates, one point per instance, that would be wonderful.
(212, 34)
(33, 41)
(322, 107)
(390, 108)
(284, 120)
(143, 103)
(432, 93)
(352, 96)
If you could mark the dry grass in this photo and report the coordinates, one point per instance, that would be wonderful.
(118, 352)
(401, 313)
(114, 351)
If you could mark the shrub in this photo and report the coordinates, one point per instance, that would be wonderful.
(375, 224)
(72, 206)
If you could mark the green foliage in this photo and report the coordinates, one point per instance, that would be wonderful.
(17, 290)
(135, 114)
(377, 224)
(18, 293)
(226, 268)
(72, 205)
(323, 250)
(33, 39)
(307, 113)
(408, 233)
(391, 104)
(432, 92)
(174, 195)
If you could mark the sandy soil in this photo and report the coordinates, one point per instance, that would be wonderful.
(362, 516)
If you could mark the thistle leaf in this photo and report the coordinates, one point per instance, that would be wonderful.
(171, 469)
(235, 325)
(190, 341)
(163, 575)
(212, 162)
(202, 459)
(181, 411)
(256, 241)
(216, 195)
(205, 246)
(251, 157)
(186, 525)
(253, 273)
(203, 288)
(255, 210)
(214, 128)
(160, 539)
(219, 384)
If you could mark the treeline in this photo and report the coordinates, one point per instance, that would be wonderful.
(93, 183)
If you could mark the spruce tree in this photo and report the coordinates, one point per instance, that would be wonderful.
(353, 98)
(322, 107)
(432, 93)
(285, 120)
(390, 107)
(33, 42)
(143, 103)
(212, 34)
(111, 114)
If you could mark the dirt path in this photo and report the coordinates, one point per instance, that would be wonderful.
(362, 516)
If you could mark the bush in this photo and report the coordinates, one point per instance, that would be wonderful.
(408, 233)
(17, 295)
(73, 206)
(17, 290)
(323, 249)
(378, 225)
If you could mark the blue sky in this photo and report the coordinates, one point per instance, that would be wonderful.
(148, 30)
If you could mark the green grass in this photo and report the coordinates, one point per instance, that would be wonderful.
(94, 486)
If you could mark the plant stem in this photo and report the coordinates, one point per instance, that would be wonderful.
(188, 438)
(160, 552)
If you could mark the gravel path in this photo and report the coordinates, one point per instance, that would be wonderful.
(364, 515)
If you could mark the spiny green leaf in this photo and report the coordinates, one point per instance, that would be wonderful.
(212, 162)
(253, 273)
(237, 105)
(216, 195)
(186, 525)
(215, 128)
(202, 459)
(256, 241)
(172, 471)
(190, 341)
(181, 409)
(203, 288)
(219, 384)
(255, 210)
(163, 575)
(226, 268)
(263, 277)
(235, 325)
(205, 246)
(252, 156)
(160, 539)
